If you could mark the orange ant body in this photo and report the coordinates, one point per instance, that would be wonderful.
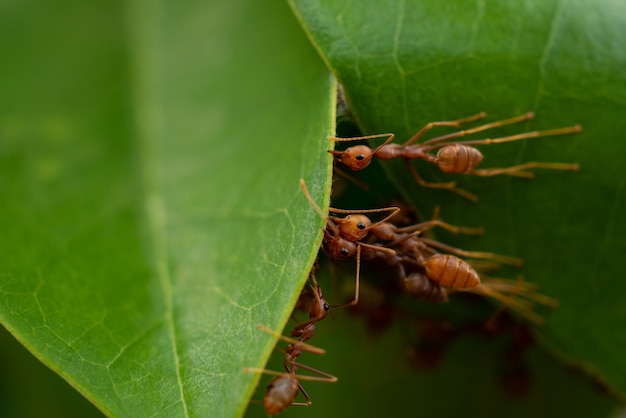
(457, 157)
(450, 271)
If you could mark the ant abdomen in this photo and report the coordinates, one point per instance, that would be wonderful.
(448, 270)
(421, 287)
(280, 393)
(458, 158)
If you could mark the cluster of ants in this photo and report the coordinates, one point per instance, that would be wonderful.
(427, 269)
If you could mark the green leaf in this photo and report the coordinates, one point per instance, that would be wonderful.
(151, 214)
(407, 63)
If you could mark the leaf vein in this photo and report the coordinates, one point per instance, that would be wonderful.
(556, 23)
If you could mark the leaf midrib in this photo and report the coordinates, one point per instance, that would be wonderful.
(145, 62)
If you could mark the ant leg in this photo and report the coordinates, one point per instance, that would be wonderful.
(306, 396)
(324, 377)
(301, 345)
(516, 170)
(423, 226)
(522, 307)
(484, 266)
(522, 288)
(533, 134)
(362, 138)
(474, 254)
(308, 196)
(393, 209)
(444, 138)
(357, 280)
(450, 185)
(454, 123)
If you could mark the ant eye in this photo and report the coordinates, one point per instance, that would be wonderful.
(344, 251)
(360, 225)
(359, 157)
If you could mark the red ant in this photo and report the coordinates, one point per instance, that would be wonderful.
(457, 157)
(283, 388)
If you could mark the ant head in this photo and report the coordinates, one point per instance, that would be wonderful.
(355, 227)
(320, 307)
(340, 248)
(357, 157)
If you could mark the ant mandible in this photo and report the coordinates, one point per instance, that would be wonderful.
(456, 157)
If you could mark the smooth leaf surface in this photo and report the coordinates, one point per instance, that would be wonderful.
(406, 63)
(151, 214)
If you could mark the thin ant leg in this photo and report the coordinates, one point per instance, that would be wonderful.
(362, 138)
(424, 226)
(323, 376)
(522, 288)
(357, 281)
(448, 186)
(301, 345)
(438, 140)
(533, 134)
(454, 123)
(434, 221)
(516, 170)
(484, 266)
(473, 254)
(308, 196)
(394, 211)
(522, 307)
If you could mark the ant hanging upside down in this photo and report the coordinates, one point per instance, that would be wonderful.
(454, 157)
(284, 387)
